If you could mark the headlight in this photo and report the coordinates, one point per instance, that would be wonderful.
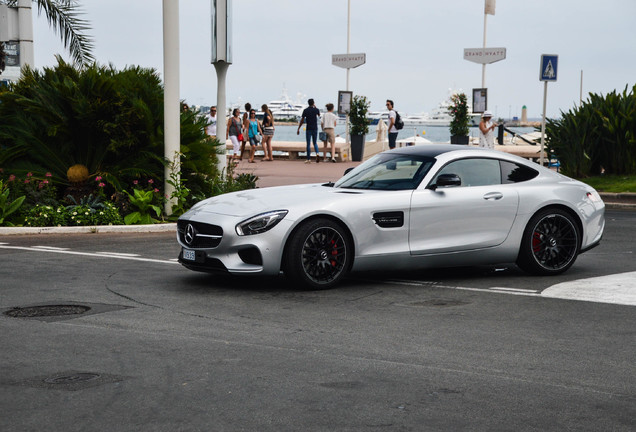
(260, 223)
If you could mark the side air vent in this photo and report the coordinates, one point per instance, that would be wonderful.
(389, 219)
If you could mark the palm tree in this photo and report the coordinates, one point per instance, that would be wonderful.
(63, 16)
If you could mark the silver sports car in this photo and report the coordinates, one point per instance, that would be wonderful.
(414, 207)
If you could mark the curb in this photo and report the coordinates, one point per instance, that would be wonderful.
(623, 200)
(155, 228)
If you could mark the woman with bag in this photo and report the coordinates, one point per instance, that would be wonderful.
(253, 132)
(234, 132)
(268, 133)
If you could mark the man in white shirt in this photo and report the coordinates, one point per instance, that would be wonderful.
(328, 125)
(211, 118)
(393, 132)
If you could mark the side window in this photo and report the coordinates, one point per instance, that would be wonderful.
(515, 173)
(474, 172)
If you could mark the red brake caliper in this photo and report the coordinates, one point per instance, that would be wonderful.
(334, 252)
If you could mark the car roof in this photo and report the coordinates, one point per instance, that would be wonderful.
(432, 150)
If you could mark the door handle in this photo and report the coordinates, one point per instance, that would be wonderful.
(493, 196)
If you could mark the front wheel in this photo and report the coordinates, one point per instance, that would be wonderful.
(550, 244)
(319, 254)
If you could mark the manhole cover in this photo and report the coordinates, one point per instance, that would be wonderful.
(440, 303)
(72, 379)
(46, 311)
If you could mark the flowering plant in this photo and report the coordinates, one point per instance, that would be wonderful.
(458, 110)
(45, 215)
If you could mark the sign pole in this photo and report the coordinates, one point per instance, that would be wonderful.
(545, 98)
(483, 66)
(347, 134)
(547, 72)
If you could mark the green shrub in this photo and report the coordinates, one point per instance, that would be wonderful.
(107, 120)
(597, 137)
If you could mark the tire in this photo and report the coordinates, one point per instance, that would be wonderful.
(551, 243)
(318, 255)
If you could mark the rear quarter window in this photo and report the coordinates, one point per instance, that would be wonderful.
(516, 173)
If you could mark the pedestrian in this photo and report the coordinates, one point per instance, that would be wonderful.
(246, 125)
(254, 131)
(268, 133)
(210, 129)
(311, 114)
(393, 132)
(486, 128)
(328, 125)
(235, 132)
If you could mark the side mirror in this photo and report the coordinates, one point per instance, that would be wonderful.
(446, 180)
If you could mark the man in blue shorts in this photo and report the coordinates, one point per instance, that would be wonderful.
(311, 114)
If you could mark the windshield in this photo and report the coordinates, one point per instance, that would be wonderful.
(388, 171)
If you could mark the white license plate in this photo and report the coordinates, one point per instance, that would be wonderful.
(189, 255)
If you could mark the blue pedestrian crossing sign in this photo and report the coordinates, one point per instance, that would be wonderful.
(548, 67)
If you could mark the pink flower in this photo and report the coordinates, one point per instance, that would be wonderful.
(98, 178)
(48, 174)
(44, 182)
(151, 181)
(101, 185)
(30, 174)
(11, 177)
(156, 190)
(26, 181)
(135, 182)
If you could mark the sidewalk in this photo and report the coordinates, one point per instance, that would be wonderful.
(288, 172)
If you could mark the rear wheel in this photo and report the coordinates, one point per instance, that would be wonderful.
(319, 254)
(550, 243)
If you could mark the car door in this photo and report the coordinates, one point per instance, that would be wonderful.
(477, 214)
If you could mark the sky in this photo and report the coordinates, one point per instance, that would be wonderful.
(414, 49)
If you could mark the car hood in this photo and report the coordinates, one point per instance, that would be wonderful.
(255, 201)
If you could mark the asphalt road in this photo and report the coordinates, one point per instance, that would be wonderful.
(166, 349)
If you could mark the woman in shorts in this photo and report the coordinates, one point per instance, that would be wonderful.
(268, 133)
(253, 132)
(234, 130)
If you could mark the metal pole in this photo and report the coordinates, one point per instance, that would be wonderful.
(347, 138)
(221, 68)
(581, 90)
(545, 98)
(483, 66)
(171, 102)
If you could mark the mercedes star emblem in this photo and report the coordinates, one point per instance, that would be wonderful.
(190, 234)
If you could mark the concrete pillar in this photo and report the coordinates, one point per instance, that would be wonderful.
(25, 28)
(171, 101)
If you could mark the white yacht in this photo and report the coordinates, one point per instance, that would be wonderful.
(285, 108)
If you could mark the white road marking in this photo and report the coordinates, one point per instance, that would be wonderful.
(89, 254)
(120, 254)
(50, 248)
(615, 289)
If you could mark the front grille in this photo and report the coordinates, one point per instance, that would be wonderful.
(203, 235)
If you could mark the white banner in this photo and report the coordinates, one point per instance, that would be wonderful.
(489, 7)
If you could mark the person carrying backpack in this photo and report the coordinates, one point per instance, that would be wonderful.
(395, 123)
